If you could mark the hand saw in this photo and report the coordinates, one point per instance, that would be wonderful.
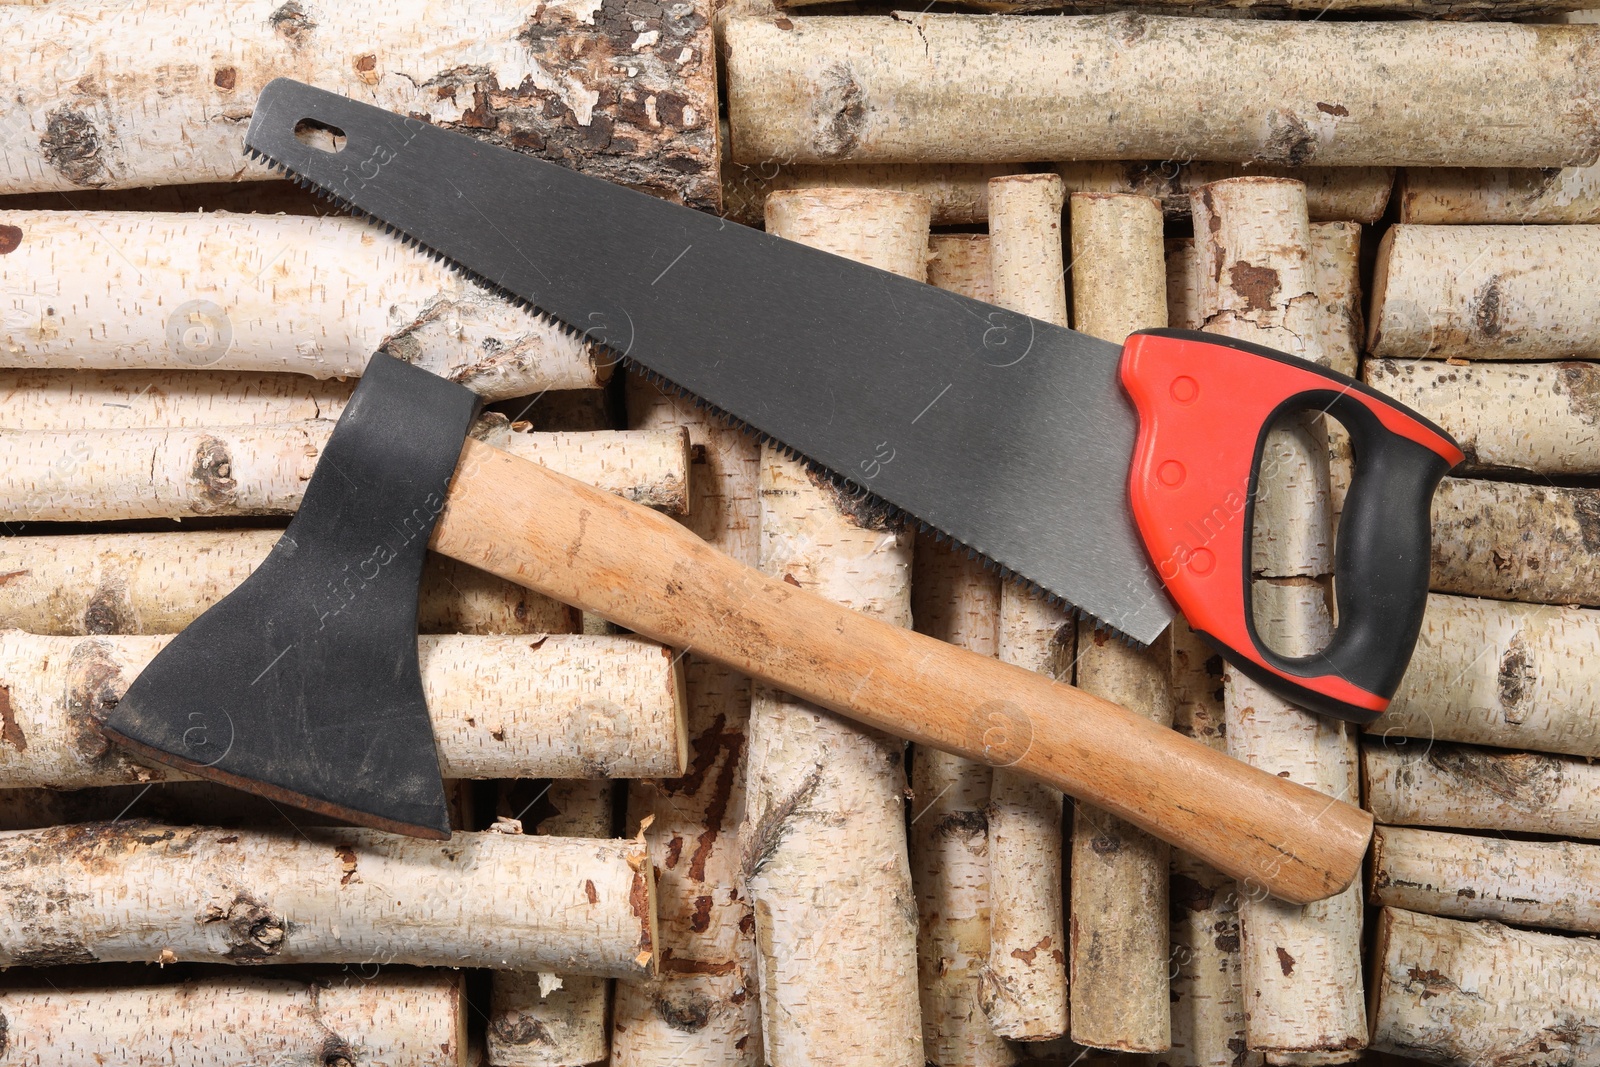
(1107, 475)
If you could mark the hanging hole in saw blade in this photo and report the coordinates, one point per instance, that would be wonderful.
(1292, 533)
(320, 135)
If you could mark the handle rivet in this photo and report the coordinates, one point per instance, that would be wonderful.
(1171, 474)
(1185, 389)
(1201, 561)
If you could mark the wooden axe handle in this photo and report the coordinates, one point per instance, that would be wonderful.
(642, 570)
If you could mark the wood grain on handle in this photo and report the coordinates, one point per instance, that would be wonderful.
(642, 570)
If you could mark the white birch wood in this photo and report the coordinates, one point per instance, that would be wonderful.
(1516, 541)
(573, 706)
(1432, 195)
(100, 400)
(1356, 194)
(139, 891)
(958, 193)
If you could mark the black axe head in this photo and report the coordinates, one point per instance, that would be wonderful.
(303, 684)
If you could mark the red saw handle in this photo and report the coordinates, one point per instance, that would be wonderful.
(1205, 404)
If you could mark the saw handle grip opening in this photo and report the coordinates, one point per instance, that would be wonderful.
(1205, 405)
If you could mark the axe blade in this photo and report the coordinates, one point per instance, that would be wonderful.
(303, 684)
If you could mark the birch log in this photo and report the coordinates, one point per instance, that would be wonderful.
(1443, 9)
(1517, 541)
(1208, 1010)
(100, 475)
(1024, 984)
(122, 400)
(1488, 672)
(317, 296)
(1431, 195)
(1356, 194)
(418, 1018)
(826, 854)
(958, 193)
(1301, 966)
(1118, 930)
(139, 891)
(956, 599)
(1484, 995)
(937, 88)
(541, 1019)
(622, 95)
(1533, 417)
(135, 583)
(568, 705)
(703, 1007)
(1531, 883)
(1464, 787)
(1485, 292)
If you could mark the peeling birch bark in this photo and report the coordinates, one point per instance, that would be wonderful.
(825, 837)
(1517, 542)
(1333, 194)
(158, 583)
(1485, 292)
(1531, 883)
(316, 296)
(938, 88)
(398, 1015)
(1421, 783)
(956, 599)
(1462, 195)
(620, 94)
(958, 193)
(1023, 987)
(139, 891)
(1488, 672)
(570, 706)
(1440, 9)
(703, 1007)
(1208, 1010)
(1535, 417)
(1301, 966)
(540, 1019)
(1484, 995)
(101, 475)
(1119, 957)
(125, 400)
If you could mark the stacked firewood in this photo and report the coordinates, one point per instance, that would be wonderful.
(658, 862)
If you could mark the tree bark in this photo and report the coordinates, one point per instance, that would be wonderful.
(1436, 9)
(123, 400)
(397, 1015)
(625, 96)
(1487, 672)
(1023, 987)
(100, 475)
(955, 599)
(1463, 195)
(923, 89)
(958, 193)
(538, 1019)
(1208, 1009)
(158, 583)
(826, 854)
(571, 706)
(1532, 417)
(1517, 541)
(1118, 931)
(1484, 995)
(1531, 883)
(316, 296)
(1333, 194)
(1258, 282)
(1485, 292)
(141, 892)
(1421, 783)
(703, 1007)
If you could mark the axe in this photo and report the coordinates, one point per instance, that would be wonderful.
(303, 684)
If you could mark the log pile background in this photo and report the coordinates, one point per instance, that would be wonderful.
(661, 864)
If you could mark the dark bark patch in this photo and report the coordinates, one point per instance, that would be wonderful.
(1515, 680)
(639, 904)
(225, 78)
(1186, 894)
(839, 110)
(213, 475)
(777, 820)
(54, 952)
(718, 749)
(1290, 141)
(590, 894)
(293, 23)
(1486, 308)
(1285, 962)
(336, 1052)
(255, 932)
(10, 733)
(862, 508)
(1586, 510)
(1227, 942)
(700, 918)
(971, 822)
(1582, 385)
(1337, 110)
(670, 964)
(94, 687)
(110, 609)
(687, 1011)
(515, 1028)
(72, 146)
(1258, 285)
(1105, 844)
(1426, 982)
(10, 239)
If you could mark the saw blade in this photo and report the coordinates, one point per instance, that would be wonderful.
(1006, 433)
